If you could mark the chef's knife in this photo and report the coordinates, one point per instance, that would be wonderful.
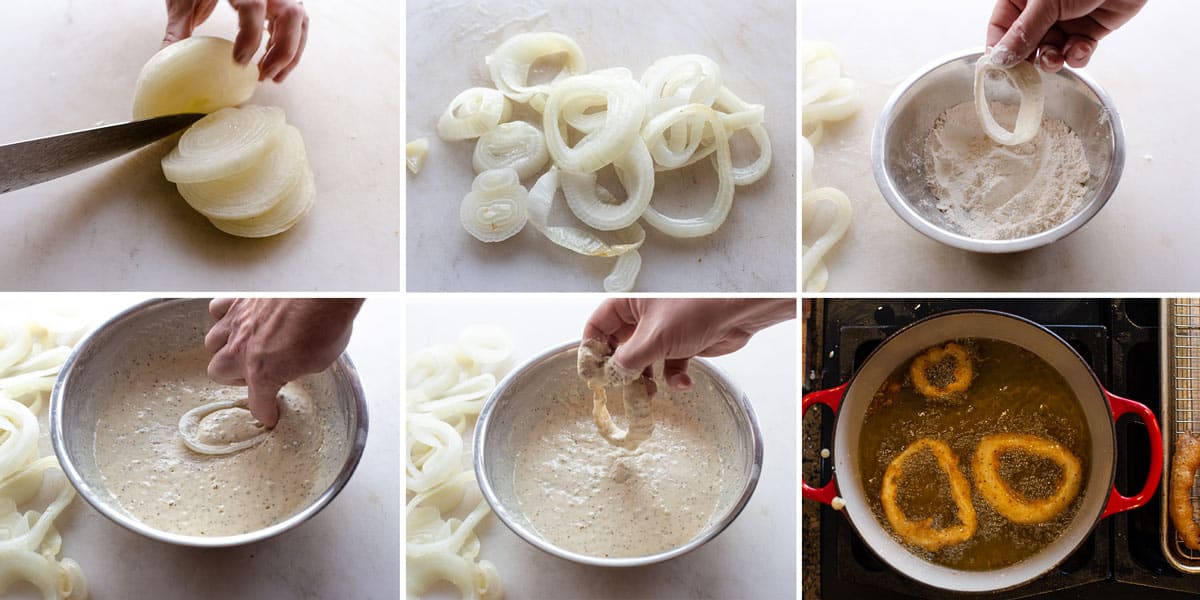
(27, 163)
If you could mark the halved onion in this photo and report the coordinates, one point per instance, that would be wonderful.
(473, 113)
(254, 190)
(624, 273)
(510, 63)
(516, 145)
(414, 154)
(194, 75)
(223, 143)
(494, 210)
(712, 219)
(624, 105)
(541, 199)
(281, 217)
(595, 206)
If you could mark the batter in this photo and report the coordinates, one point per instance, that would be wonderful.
(157, 479)
(586, 495)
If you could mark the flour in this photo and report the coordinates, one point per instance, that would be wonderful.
(989, 191)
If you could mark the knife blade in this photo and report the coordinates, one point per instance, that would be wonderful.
(30, 162)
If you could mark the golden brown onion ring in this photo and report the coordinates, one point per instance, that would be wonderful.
(921, 533)
(963, 371)
(1011, 504)
(1183, 478)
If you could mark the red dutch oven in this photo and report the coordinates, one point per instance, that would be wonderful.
(1101, 409)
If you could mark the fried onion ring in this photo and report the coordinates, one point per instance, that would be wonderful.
(922, 533)
(932, 360)
(1011, 504)
(599, 372)
(1183, 478)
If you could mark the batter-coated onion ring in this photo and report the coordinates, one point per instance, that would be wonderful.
(598, 371)
(963, 373)
(516, 145)
(597, 207)
(510, 63)
(624, 106)
(1008, 502)
(1028, 81)
(921, 533)
(1183, 480)
(190, 425)
(473, 113)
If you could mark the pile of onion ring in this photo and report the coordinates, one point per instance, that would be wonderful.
(677, 114)
(827, 96)
(32, 350)
(446, 387)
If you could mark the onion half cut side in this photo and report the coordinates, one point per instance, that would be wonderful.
(194, 75)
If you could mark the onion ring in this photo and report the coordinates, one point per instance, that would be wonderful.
(712, 219)
(934, 358)
(596, 368)
(494, 209)
(1008, 502)
(624, 105)
(1183, 480)
(596, 207)
(1028, 81)
(812, 257)
(921, 533)
(473, 113)
(516, 145)
(511, 62)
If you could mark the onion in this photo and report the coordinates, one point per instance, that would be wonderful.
(1028, 81)
(194, 75)
(812, 257)
(826, 94)
(256, 189)
(509, 65)
(624, 107)
(473, 113)
(595, 206)
(516, 145)
(414, 154)
(541, 199)
(711, 220)
(624, 273)
(494, 210)
(19, 445)
(223, 143)
(281, 217)
(677, 80)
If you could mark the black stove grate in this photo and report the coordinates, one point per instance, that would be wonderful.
(1119, 339)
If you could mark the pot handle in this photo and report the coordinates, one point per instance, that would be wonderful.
(832, 398)
(1123, 406)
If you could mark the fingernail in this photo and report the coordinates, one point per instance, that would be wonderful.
(1003, 57)
(1051, 59)
(1078, 53)
(680, 381)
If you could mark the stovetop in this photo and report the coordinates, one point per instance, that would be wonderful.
(1118, 338)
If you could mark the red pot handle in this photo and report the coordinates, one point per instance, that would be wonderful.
(1123, 406)
(832, 398)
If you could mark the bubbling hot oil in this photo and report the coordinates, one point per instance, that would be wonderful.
(1014, 391)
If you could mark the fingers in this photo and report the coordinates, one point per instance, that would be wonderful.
(289, 32)
(1003, 15)
(1025, 34)
(640, 351)
(264, 403)
(610, 321)
(1079, 50)
(1049, 55)
(182, 19)
(675, 374)
(224, 368)
(218, 307)
(217, 336)
(251, 14)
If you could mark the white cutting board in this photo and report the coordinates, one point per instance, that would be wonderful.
(754, 558)
(754, 45)
(351, 549)
(1140, 242)
(122, 226)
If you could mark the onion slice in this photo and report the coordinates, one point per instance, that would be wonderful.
(494, 210)
(223, 143)
(1028, 81)
(711, 220)
(595, 206)
(624, 107)
(473, 113)
(624, 273)
(812, 257)
(414, 154)
(254, 190)
(511, 62)
(281, 217)
(540, 201)
(193, 75)
(516, 145)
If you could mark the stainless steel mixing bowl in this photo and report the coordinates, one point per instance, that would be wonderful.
(88, 378)
(513, 409)
(897, 146)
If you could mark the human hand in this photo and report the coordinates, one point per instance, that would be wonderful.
(646, 330)
(263, 343)
(287, 26)
(1056, 31)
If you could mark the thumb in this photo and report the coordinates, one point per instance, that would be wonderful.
(637, 353)
(1026, 33)
(179, 26)
(263, 403)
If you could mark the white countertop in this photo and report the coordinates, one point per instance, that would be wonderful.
(351, 549)
(1142, 239)
(752, 43)
(754, 558)
(122, 226)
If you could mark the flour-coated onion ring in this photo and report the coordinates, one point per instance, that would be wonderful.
(473, 113)
(624, 105)
(963, 372)
(516, 145)
(812, 259)
(921, 533)
(495, 208)
(712, 219)
(1011, 504)
(1184, 463)
(1028, 81)
(541, 200)
(511, 62)
(595, 206)
(624, 274)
